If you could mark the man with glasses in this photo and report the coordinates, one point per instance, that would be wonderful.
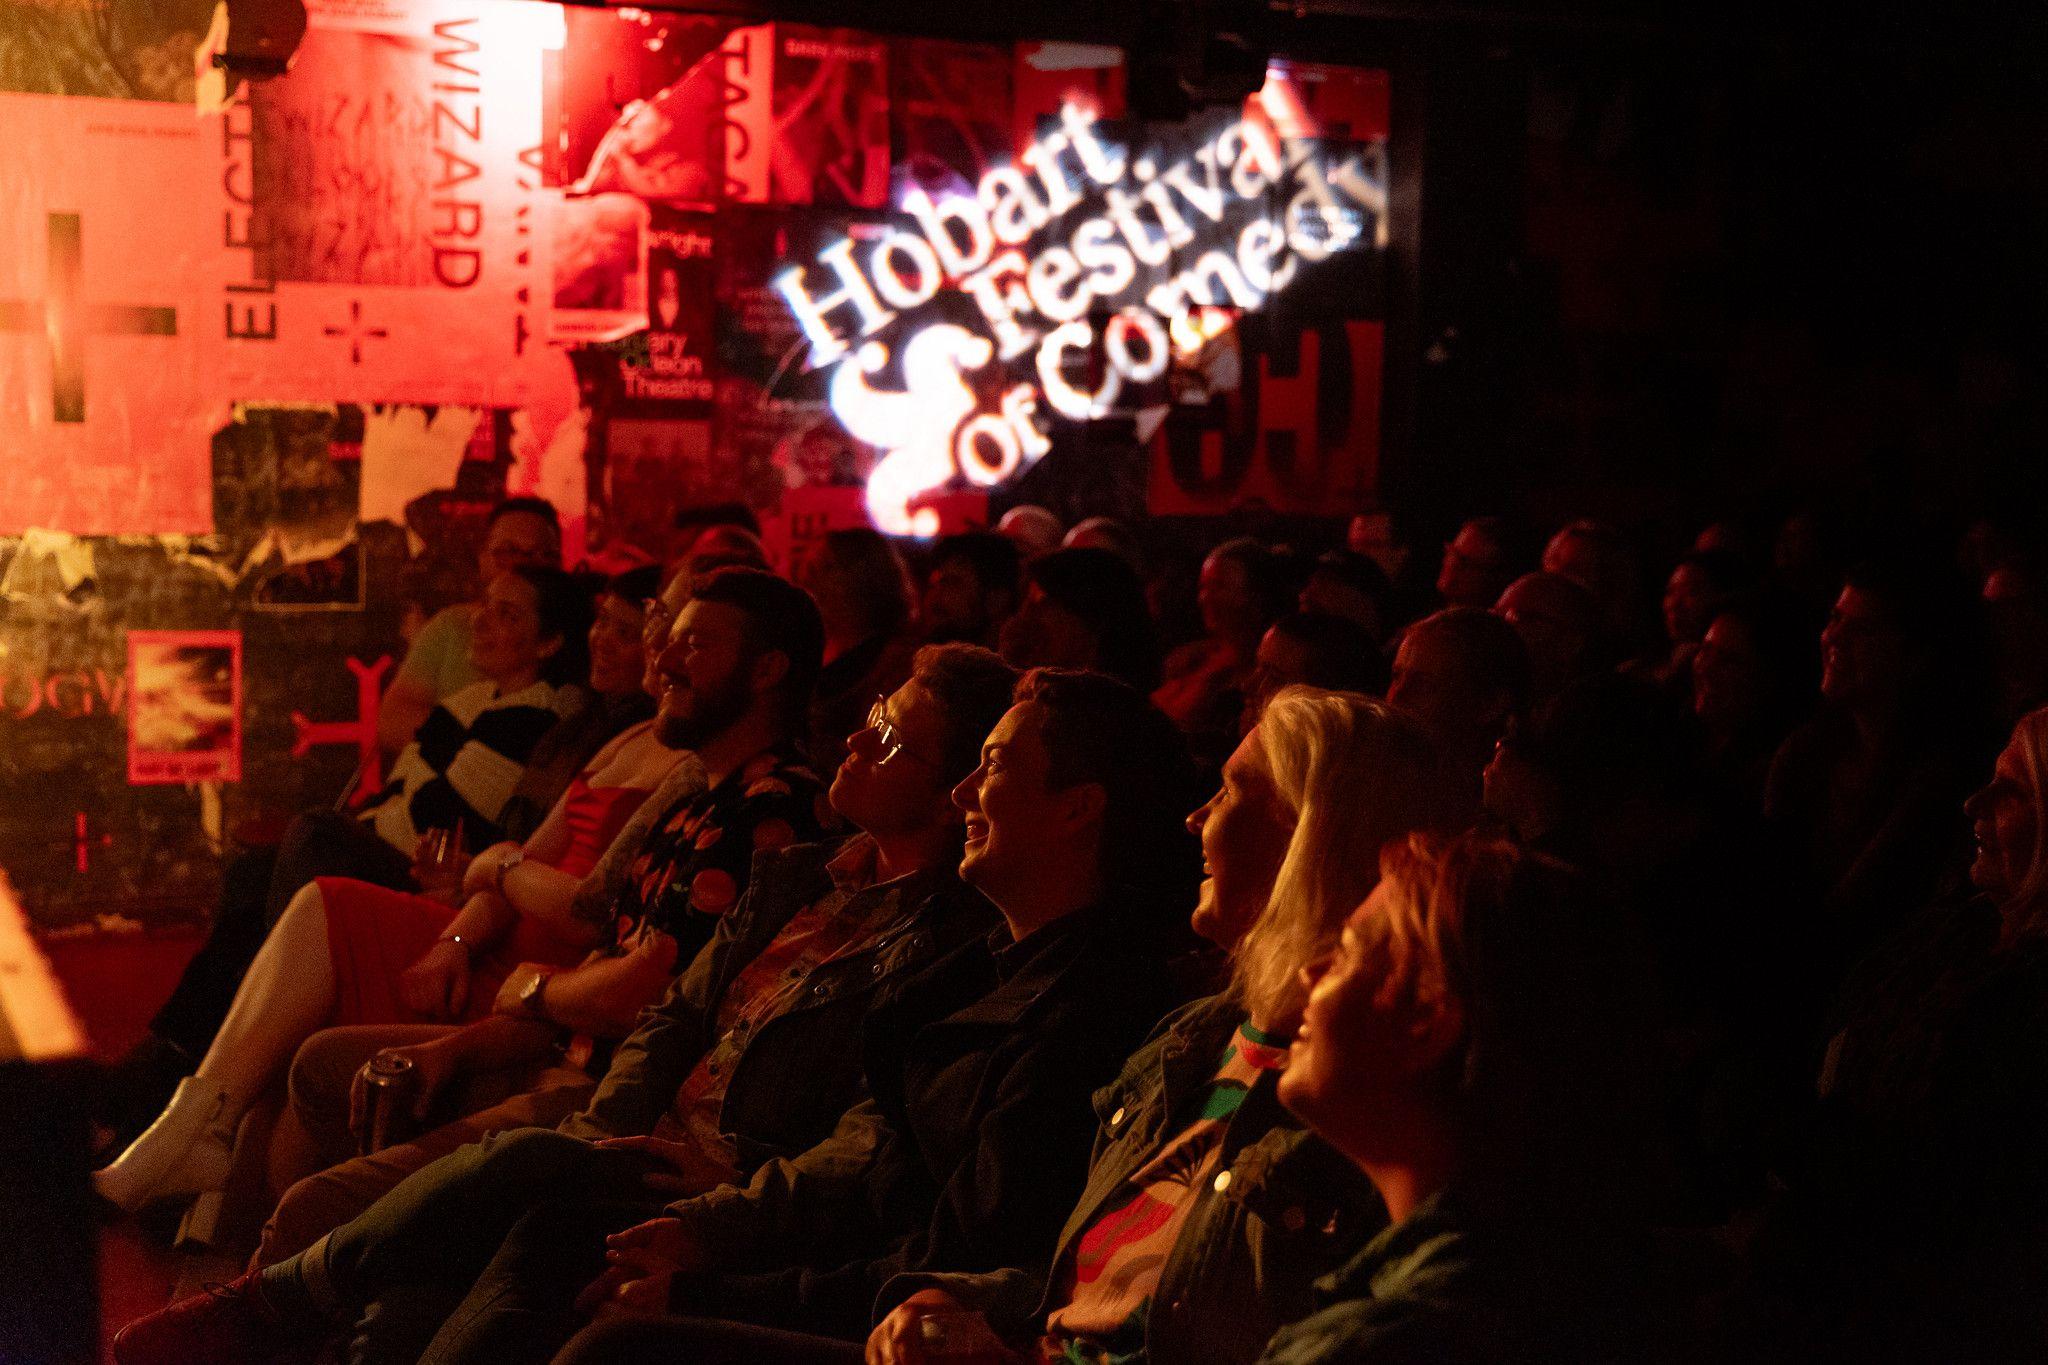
(754, 1052)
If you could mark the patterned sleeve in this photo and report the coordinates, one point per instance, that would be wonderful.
(776, 808)
(597, 897)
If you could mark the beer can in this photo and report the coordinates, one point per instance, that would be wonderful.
(387, 1100)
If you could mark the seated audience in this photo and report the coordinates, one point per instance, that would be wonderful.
(1084, 609)
(1560, 626)
(975, 583)
(1703, 583)
(1243, 590)
(864, 596)
(2016, 617)
(1608, 778)
(1464, 673)
(1207, 1211)
(260, 883)
(438, 662)
(1478, 564)
(1465, 1046)
(1752, 681)
(1600, 559)
(1310, 649)
(707, 1083)
(1915, 1225)
(1106, 533)
(1869, 790)
(979, 1069)
(976, 1135)
(1354, 587)
(348, 951)
(692, 524)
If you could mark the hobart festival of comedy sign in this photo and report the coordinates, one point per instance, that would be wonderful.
(1063, 285)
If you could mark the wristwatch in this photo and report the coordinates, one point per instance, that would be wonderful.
(531, 997)
(506, 864)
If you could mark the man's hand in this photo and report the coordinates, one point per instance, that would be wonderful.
(434, 1065)
(930, 1326)
(659, 1247)
(437, 986)
(684, 1168)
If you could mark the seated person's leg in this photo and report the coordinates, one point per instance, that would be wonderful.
(328, 843)
(699, 1341)
(323, 1202)
(524, 1305)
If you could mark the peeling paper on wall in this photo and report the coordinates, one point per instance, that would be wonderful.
(554, 470)
(407, 454)
(51, 566)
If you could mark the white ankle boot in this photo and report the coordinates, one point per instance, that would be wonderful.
(188, 1150)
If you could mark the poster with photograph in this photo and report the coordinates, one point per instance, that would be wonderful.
(600, 266)
(184, 706)
(670, 375)
(950, 114)
(636, 95)
(831, 111)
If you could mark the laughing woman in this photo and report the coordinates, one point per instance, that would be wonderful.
(1208, 1211)
(349, 952)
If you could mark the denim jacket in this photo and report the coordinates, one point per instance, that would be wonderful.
(803, 1067)
(1290, 1210)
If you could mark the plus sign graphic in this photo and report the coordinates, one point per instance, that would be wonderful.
(66, 319)
(356, 332)
(361, 732)
(83, 842)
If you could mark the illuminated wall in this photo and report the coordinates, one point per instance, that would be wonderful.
(267, 355)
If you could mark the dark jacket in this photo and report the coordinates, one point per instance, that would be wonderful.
(1247, 1256)
(802, 1068)
(1448, 1286)
(974, 1143)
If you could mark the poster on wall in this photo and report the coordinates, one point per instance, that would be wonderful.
(637, 94)
(671, 373)
(599, 245)
(384, 209)
(184, 706)
(112, 49)
(950, 115)
(287, 494)
(805, 116)
(105, 351)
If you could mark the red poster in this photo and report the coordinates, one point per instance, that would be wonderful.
(106, 331)
(831, 117)
(184, 706)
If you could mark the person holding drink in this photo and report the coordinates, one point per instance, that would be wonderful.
(341, 949)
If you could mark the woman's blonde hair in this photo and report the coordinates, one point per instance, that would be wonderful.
(2024, 907)
(1353, 773)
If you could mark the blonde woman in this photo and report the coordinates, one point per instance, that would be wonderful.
(1208, 1212)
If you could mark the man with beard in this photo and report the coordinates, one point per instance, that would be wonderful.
(754, 1052)
(734, 678)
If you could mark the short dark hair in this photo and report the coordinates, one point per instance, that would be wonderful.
(1100, 729)
(1343, 656)
(635, 585)
(562, 602)
(974, 686)
(873, 566)
(994, 560)
(780, 617)
(531, 506)
(709, 514)
(1101, 588)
